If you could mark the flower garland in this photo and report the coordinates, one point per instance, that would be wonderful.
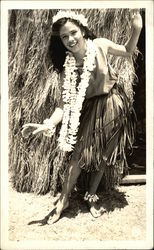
(73, 96)
(72, 15)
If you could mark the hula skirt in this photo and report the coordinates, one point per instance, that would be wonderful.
(106, 134)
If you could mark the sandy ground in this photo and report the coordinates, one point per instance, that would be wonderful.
(125, 218)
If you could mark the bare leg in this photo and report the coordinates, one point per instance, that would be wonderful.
(94, 183)
(71, 178)
(95, 180)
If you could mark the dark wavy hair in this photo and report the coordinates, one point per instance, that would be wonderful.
(56, 49)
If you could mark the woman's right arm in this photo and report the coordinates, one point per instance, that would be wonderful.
(57, 115)
(49, 125)
(47, 128)
(55, 118)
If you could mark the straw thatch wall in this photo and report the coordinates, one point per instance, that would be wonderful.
(33, 89)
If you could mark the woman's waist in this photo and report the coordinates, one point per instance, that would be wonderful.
(100, 88)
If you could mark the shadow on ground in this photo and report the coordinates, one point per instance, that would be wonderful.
(107, 200)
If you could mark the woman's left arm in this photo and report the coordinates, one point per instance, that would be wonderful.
(129, 47)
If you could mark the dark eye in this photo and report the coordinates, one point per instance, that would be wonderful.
(73, 32)
(64, 37)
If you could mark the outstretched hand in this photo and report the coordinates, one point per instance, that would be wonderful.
(35, 128)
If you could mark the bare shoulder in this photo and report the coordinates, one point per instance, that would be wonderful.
(101, 40)
(103, 43)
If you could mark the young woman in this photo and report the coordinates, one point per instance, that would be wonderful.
(94, 110)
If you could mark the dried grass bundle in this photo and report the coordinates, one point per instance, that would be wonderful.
(34, 90)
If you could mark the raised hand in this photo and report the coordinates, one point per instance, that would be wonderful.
(137, 21)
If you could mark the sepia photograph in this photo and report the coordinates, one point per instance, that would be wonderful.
(77, 125)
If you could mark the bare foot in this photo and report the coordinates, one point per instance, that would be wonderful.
(95, 210)
(59, 208)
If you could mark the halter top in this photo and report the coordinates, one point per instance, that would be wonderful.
(103, 77)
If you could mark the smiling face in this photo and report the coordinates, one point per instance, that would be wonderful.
(72, 37)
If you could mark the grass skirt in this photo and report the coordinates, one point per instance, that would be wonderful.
(106, 134)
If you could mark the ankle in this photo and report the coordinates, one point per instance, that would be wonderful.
(91, 197)
(64, 198)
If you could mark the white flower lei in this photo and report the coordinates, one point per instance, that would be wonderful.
(73, 96)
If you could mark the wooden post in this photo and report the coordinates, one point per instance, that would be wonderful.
(133, 179)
